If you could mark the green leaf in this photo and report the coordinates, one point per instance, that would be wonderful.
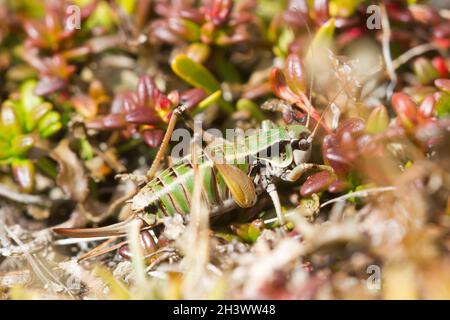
(249, 232)
(198, 76)
(48, 167)
(198, 52)
(5, 152)
(49, 124)
(86, 150)
(20, 144)
(250, 106)
(443, 106)
(191, 30)
(227, 71)
(194, 73)
(127, 5)
(378, 120)
(10, 124)
(284, 40)
(360, 187)
(29, 8)
(28, 102)
(212, 98)
(40, 111)
(322, 40)
(343, 8)
(268, 9)
(51, 130)
(103, 16)
(425, 71)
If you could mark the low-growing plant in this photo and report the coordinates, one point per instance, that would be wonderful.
(26, 119)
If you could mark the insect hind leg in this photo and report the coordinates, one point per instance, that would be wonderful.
(271, 189)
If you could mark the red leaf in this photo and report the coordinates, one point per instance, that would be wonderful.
(426, 109)
(142, 115)
(114, 121)
(47, 85)
(192, 97)
(321, 11)
(351, 125)
(316, 183)
(338, 186)
(219, 11)
(280, 87)
(296, 74)
(145, 90)
(441, 66)
(153, 137)
(443, 84)
(405, 108)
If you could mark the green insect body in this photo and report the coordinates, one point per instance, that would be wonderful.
(171, 190)
(235, 173)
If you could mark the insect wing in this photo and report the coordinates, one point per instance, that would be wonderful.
(241, 186)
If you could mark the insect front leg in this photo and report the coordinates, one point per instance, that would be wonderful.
(271, 189)
(295, 174)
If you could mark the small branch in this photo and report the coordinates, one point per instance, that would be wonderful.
(362, 193)
(387, 51)
(5, 192)
(34, 263)
(413, 52)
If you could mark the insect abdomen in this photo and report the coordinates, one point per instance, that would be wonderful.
(171, 191)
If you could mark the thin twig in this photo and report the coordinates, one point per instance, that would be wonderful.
(34, 263)
(161, 258)
(361, 193)
(6, 192)
(413, 52)
(159, 253)
(387, 51)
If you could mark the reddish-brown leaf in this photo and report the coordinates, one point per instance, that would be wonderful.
(316, 183)
(405, 108)
(153, 137)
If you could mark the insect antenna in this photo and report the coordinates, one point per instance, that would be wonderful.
(326, 109)
(311, 82)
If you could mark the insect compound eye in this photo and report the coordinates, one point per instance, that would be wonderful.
(304, 145)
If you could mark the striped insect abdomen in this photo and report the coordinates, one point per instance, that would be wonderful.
(171, 190)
